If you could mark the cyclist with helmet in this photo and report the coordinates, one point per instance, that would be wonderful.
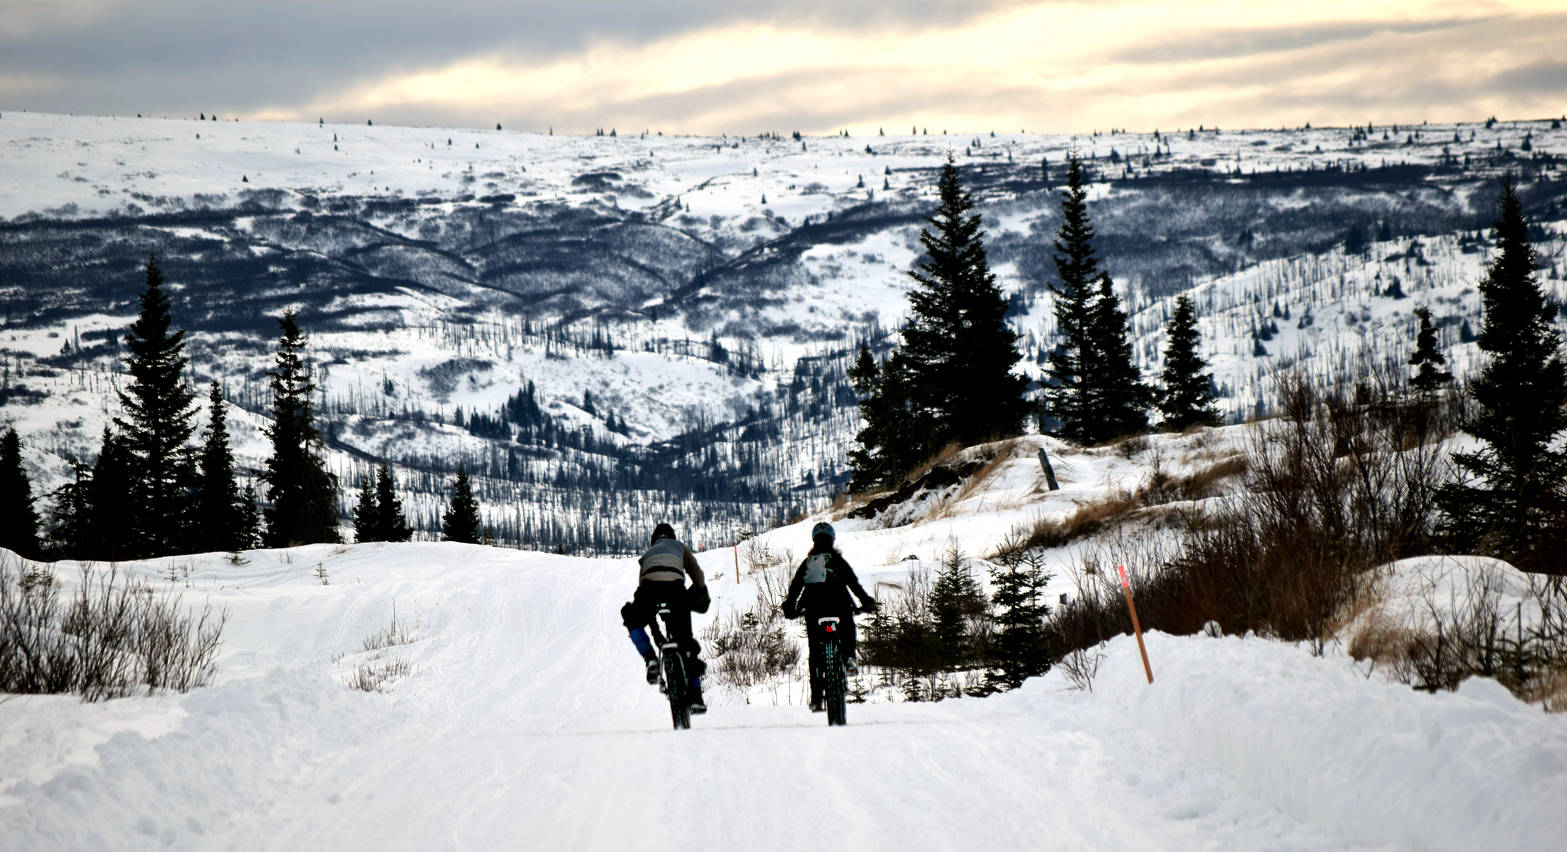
(821, 587)
(663, 569)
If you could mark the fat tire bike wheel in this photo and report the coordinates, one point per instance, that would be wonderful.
(834, 682)
(676, 683)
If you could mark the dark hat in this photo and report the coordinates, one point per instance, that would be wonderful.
(663, 531)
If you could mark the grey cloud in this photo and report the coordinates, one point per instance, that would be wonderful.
(1238, 43)
(240, 55)
(1544, 77)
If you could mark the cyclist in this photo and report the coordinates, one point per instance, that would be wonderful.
(820, 588)
(664, 567)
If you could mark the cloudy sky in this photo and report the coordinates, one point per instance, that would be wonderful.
(745, 66)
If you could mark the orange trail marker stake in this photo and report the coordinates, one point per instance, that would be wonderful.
(1137, 629)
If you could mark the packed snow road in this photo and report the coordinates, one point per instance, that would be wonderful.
(523, 721)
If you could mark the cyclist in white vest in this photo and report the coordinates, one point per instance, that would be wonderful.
(662, 573)
(821, 587)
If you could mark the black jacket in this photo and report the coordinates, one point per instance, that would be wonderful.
(829, 596)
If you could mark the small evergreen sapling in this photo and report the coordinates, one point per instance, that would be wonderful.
(1427, 360)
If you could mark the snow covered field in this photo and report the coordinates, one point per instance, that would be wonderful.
(525, 723)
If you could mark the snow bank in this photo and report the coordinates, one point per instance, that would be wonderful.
(1370, 761)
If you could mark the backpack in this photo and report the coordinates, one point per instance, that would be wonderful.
(816, 568)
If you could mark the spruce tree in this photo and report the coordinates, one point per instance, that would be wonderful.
(68, 529)
(302, 492)
(1187, 399)
(961, 353)
(367, 514)
(1512, 502)
(111, 527)
(158, 407)
(954, 597)
(18, 519)
(1116, 398)
(1077, 268)
(885, 450)
(391, 525)
(217, 516)
(1019, 648)
(461, 520)
(249, 519)
(1427, 360)
(951, 379)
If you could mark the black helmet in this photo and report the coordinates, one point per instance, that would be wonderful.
(663, 531)
(823, 529)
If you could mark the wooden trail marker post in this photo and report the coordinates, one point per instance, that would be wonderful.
(1137, 629)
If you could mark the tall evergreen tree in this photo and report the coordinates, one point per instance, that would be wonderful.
(1019, 648)
(1188, 397)
(461, 520)
(1116, 397)
(18, 519)
(1427, 360)
(391, 525)
(960, 350)
(158, 407)
(1512, 502)
(111, 527)
(217, 517)
(302, 492)
(952, 378)
(1077, 268)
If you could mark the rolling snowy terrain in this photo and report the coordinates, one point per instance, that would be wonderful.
(513, 714)
(681, 310)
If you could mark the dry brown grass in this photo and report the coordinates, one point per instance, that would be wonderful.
(994, 456)
(942, 456)
(1088, 519)
(1197, 485)
(1550, 692)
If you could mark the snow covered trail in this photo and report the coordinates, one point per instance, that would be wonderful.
(527, 724)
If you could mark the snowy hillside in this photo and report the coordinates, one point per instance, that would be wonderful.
(515, 715)
(682, 309)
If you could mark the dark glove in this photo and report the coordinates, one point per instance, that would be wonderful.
(698, 598)
(790, 611)
(869, 606)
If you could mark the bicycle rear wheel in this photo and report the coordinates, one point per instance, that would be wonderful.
(675, 686)
(834, 684)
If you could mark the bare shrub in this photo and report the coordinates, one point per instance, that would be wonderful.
(1474, 635)
(115, 636)
(747, 649)
(378, 676)
(395, 633)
